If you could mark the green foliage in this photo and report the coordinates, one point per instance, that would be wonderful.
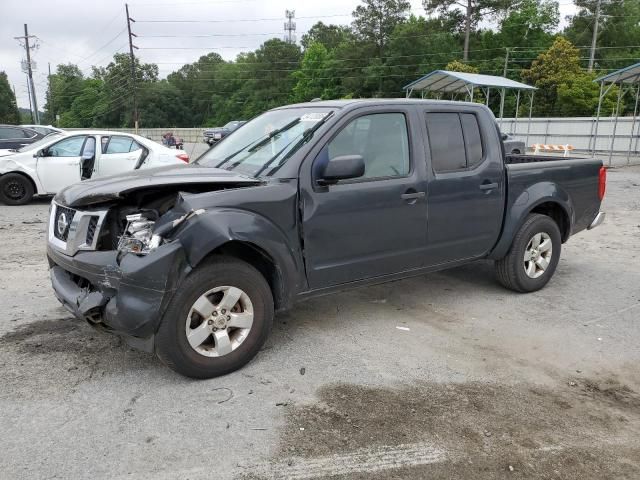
(457, 66)
(374, 21)
(383, 49)
(564, 88)
(8, 106)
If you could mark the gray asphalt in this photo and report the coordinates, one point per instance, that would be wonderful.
(478, 382)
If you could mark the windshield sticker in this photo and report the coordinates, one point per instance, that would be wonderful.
(313, 117)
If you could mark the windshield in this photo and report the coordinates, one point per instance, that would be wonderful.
(40, 143)
(266, 142)
(230, 125)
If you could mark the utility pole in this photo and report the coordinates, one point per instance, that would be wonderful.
(29, 71)
(133, 68)
(51, 109)
(594, 39)
(506, 63)
(30, 104)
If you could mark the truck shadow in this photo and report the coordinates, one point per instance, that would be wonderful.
(66, 344)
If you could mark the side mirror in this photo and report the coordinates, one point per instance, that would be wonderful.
(504, 137)
(342, 168)
(39, 153)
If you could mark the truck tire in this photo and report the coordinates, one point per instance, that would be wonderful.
(15, 189)
(533, 256)
(217, 321)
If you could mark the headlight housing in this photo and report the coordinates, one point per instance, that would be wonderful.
(138, 236)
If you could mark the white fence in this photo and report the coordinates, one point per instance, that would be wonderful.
(576, 131)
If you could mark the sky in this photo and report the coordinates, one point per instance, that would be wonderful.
(89, 32)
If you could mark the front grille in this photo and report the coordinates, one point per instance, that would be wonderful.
(77, 230)
(91, 229)
(62, 222)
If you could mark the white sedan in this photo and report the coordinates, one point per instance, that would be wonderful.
(61, 159)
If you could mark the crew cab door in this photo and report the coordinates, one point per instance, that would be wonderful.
(120, 153)
(368, 226)
(465, 199)
(59, 164)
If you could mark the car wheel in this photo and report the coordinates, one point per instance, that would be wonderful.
(533, 256)
(218, 320)
(515, 151)
(15, 189)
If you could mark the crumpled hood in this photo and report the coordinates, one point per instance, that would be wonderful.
(111, 188)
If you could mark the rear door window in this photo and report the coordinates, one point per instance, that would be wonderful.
(121, 145)
(446, 142)
(454, 140)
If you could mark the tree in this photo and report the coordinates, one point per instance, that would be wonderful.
(562, 84)
(64, 86)
(474, 11)
(618, 31)
(457, 66)
(313, 80)
(8, 106)
(375, 21)
(330, 36)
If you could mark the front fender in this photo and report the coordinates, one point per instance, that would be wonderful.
(521, 203)
(217, 226)
(11, 165)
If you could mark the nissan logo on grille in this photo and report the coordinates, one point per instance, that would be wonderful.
(62, 224)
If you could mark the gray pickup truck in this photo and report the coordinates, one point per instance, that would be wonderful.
(191, 262)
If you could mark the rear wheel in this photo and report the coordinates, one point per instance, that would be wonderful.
(217, 321)
(533, 256)
(15, 189)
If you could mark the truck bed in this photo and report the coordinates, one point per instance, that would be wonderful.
(573, 180)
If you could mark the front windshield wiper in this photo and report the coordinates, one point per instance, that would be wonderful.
(306, 135)
(255, 146)
(274, 133)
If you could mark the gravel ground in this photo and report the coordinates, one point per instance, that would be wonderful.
(478, 382)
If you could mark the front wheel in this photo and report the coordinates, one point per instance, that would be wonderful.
(533, 256)
(218, 320)
(15, 189)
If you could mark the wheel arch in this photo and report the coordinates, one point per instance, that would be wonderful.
(545, 198)
(32, 182)
(559, 215)
(259, 259)
(252, 238)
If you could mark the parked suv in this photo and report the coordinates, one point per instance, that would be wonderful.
(214, 135)
(13, 137)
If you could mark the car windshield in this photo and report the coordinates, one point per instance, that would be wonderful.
(262, 145)
(40, 143)
(230, 125)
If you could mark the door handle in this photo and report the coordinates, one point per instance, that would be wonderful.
(412, 195)
(488, 186)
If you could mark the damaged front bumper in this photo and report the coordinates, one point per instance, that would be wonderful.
(126, 296)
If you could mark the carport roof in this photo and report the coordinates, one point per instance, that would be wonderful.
(630, 74)
(447, 81)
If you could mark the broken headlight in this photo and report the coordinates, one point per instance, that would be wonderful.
(138, 236)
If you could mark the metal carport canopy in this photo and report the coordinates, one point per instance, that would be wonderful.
(629, 78)
(459, 82)
(629, 74)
